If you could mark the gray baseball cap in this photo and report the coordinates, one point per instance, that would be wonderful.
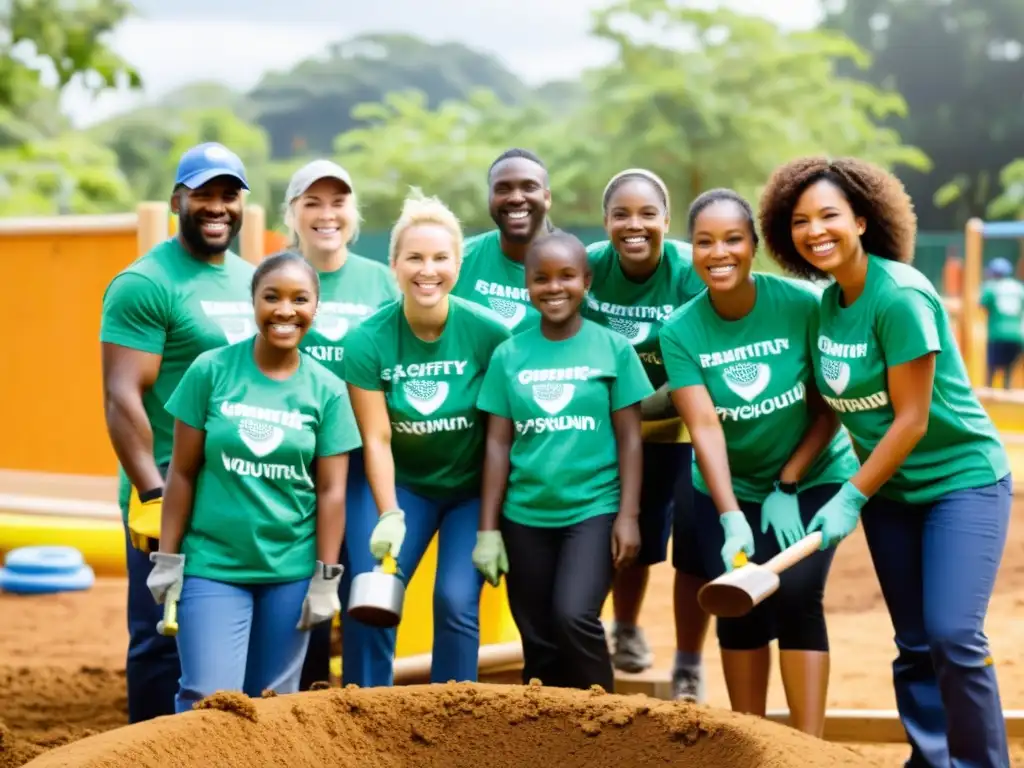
(311, 173)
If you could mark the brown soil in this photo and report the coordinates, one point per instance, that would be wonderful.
(62, 659)
(447, 726)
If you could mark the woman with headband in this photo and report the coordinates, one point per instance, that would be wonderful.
(639, 277)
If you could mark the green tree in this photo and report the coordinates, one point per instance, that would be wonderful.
(444, 151)
(960, 65)
(64, 38)
(740, 97)
(718, 98)
(68, 174)
(45, 168)
(1010, 203)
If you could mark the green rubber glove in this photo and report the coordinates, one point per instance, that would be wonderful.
(840, 515)
(738, 537)
(388, 534)
(781, 511)
(489, 556)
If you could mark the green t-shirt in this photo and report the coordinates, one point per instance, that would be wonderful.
(1004, 300)
(561, 396)
(347, 297)
(492, 280)
(254, 513)
(756, 371)
(638, 310)
(172, 304)
(437, 433)
(898, 318)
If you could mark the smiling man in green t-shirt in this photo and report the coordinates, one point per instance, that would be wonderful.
(492, 273)
(186, 296)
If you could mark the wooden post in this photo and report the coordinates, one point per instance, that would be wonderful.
(970, 310)
(253, 226)
(153, 225)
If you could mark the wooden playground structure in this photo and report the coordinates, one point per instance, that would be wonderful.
(56, 485)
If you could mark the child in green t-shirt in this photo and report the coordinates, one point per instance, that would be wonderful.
(254, 508)
(562, 473)
(1002, 296)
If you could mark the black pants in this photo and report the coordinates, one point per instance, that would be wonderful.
(794, 615)
(557, 581)
(1001, 357)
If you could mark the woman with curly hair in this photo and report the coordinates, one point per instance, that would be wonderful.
(934, 488)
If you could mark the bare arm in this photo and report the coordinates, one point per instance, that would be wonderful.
(127, 375)
(910, 391)
(496, 469)
(819, 434)
(180, 491)
(371, 412)
(331, 479)
(626, 423)
(698, 412)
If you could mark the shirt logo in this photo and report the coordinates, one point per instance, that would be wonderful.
(747, 380)
(553, 398)
(425, 395)
(836, 374)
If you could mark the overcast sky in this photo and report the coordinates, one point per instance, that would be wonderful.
(236, 41)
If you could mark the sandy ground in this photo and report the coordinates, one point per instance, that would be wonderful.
(62, 657)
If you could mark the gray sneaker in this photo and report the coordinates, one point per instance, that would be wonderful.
(630, 651)
(688, 685)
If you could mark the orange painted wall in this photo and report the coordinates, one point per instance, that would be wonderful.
(50, 385)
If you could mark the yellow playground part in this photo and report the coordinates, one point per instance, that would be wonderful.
(95, 529)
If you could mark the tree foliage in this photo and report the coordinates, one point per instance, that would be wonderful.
(960, 64)
(723, 107)
(66, 38)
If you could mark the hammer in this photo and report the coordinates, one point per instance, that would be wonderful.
(736, 593)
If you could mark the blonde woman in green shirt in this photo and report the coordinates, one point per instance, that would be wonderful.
(254, 509)
(413, 371)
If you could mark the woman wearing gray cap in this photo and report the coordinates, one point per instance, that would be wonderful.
(322, 216)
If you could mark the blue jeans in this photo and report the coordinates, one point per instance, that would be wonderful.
(152, 669)
(937, 565)
(239, 637)
(368, 652)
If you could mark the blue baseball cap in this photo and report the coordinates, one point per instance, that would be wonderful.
(208, 161)
(1000, 267)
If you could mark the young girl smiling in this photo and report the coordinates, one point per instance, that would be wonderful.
(561, 488)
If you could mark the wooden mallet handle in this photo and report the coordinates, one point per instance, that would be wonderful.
(790, 556)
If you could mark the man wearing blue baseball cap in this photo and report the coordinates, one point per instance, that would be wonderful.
(187, 295)
(1002, 296)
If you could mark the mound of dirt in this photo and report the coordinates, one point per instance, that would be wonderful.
(46, 707)
(447, 726)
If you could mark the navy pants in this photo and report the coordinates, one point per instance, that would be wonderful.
(937, 565)
(795, 614)
(367, 655)
(152, 669)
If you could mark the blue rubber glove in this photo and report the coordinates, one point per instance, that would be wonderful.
(840, 515)
(738, 537)
(781, 511)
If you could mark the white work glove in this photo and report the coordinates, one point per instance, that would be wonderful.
(167, 576)
(321, 602)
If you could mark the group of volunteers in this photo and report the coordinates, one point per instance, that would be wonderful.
(531, 401)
